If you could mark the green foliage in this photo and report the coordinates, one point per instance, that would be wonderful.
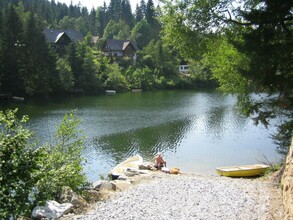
(11, 51)
(102, 18)
(112, 29)
(124, 32)
(66, 22)
(85, 66)
(226, 65)
(179, 36)
(159, 58)
(138, 13)
(74, 61)
(115, 79)
(31, 175)
(141, 78)
(18, 162)
(65, 74)
(116, 30)
(38, 64)
(31, 67)
(61, 164)
(26, 61)
(141, 34)
(283, 136)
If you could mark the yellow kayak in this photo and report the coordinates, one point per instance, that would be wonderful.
(242, 171)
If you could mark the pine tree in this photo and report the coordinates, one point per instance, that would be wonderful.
(102, 18)
(93, 22)
(138, 14)
(143, 8)
(115, 10)
(75, 63)
(150, 12)
(11, 51)
(127, 13)
(38, 65)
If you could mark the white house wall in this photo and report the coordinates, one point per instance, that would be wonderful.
(183, 68)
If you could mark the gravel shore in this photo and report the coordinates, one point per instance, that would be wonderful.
(192, 197)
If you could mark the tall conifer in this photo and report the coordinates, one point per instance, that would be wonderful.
(12, 42)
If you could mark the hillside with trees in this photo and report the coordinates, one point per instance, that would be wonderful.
(31, 67)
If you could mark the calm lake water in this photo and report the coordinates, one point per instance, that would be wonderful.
(195, 131)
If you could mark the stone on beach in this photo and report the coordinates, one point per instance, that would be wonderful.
(69, 196)
(103, 184)
(52, 210)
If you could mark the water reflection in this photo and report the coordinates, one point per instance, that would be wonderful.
(144, 141)
(219, 120)
(196, 131)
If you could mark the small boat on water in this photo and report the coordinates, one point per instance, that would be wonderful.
(132, 162)
(242, 171)
(110, 92)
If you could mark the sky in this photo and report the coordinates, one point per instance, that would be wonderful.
(95, 3)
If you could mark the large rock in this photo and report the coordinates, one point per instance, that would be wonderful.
(104, 185)
(92, 196)
(147, 166)
(122, 184)
(79, 203)
(52, 210)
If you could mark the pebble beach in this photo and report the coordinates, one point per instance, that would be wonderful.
(189, 196)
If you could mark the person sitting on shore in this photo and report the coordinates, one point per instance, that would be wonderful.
(159, 161)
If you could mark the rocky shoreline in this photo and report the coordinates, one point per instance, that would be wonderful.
(188, 196)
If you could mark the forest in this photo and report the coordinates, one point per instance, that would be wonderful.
(31, 67)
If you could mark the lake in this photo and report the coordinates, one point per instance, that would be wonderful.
(196, 131)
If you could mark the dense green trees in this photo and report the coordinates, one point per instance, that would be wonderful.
(246, 46)
(31, 67)
(141, 33)
(11, 50)
(26, 61)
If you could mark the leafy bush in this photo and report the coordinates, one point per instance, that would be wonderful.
(61, 164)
(116, 80)
(18, 161)
(65, 74)
(30, 175)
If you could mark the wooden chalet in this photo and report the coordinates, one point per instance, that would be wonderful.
(60, 38)
(120, 48)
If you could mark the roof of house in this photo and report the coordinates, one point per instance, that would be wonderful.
(95, 39)
(116, 45)
(183, 62)
(52, 35)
